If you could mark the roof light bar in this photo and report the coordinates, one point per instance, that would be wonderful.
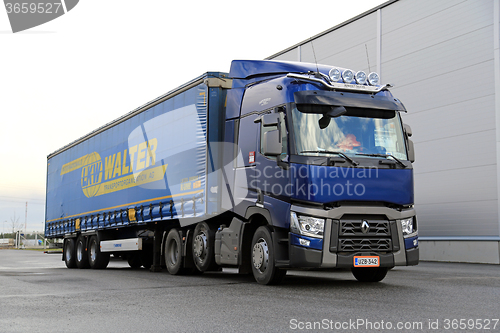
(346, 79)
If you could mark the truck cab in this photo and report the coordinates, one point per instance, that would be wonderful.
(328, 163)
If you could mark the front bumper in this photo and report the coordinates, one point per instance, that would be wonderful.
(307, 252)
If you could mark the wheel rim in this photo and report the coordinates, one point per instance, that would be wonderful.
(79, 251)
(93, 251)
(173, 252)
(260, 255)
(200, 246)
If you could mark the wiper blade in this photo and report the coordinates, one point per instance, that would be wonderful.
(347, 158)
(386, 156)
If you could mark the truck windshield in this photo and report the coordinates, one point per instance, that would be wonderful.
(349, 135)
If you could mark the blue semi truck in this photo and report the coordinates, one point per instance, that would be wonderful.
(270, 167)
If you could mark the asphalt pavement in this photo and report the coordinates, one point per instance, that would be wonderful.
(39, 294)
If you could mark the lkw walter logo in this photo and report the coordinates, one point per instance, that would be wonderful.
(25, 15)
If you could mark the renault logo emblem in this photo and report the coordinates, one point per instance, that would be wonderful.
(365, 227)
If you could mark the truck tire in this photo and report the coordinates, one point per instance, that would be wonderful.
(97, 259)
(369, 274)
(189, 266)
(203, 247)
(69, 253)
(173, 252)
(262, 255)
(82, 258)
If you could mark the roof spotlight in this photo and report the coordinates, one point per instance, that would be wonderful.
(373, 79)
(348, 76)
(360, 77)
(334, 74)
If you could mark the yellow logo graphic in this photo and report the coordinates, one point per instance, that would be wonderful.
(91, 174)
(117, 174)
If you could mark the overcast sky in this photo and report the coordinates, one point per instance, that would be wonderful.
(63, 79)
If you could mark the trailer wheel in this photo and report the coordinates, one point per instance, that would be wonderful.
(97, 259)
(173, 252)
(263, 266)
(69, 253)
(369, 274)
(82, 258)
(203, 247)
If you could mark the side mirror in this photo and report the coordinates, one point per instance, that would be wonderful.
(411, 151)
(272, 144)
(407, 130)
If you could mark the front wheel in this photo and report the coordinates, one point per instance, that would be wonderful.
(263, 265)
(369, 274)
(97, 259)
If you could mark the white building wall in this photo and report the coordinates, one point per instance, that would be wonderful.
(348, 45)
(440, 55)
(432, 50)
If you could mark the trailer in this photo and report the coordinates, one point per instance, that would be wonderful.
(270, 167)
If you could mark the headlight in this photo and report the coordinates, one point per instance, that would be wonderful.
(307, 225)
(408, 226)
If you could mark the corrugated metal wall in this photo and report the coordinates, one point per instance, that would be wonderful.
(440, 57)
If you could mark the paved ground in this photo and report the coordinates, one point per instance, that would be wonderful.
(38, 294)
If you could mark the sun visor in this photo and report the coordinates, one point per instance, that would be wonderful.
(307, 99)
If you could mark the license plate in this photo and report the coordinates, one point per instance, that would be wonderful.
(372, 261)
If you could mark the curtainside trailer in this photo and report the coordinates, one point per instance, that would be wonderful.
(270, 167)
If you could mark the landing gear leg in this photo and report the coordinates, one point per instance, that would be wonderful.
(156, 267)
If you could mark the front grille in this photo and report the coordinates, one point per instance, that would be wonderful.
(353, 228)
(365, 244)
(364, 233)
